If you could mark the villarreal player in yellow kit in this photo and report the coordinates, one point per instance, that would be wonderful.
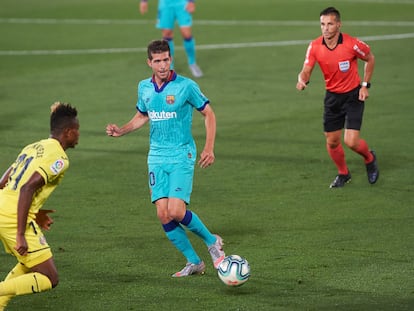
(25, 186)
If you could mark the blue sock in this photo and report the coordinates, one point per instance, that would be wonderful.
(172, 50)
(195, 225)
(189, 47)
(176, 234)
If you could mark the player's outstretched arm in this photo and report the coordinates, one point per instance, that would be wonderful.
(135, 123)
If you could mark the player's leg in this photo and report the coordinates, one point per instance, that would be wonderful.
(18, 270)
(41, 278)
(213, 241)
(336, 151)
(333, 123)
(358, 145)
(355, 111)
(182, 178)
(190, 50)
(189, 44)
(195, 225)
(166, 21)
(29, 283)
(159, 183)
(337, 154)
(168, 35)
(178, 237)
(185, 22)
(42, 275)
(174, 231)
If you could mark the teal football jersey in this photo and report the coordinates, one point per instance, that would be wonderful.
(170, 111)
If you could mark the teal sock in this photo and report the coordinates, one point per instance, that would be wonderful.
(195, 225)
(189, 47)
(172, 50)
(176, 234)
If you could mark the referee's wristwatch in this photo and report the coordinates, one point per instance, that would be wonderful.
(366, 84)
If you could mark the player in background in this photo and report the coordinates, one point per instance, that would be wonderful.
(170, 11)
(337, 54)
(166, 101)
(25, 186)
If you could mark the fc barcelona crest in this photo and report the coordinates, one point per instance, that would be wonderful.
(170, 99)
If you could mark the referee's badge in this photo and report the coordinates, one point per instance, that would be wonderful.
(170, 99)
(344, 66)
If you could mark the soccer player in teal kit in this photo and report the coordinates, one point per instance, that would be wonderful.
(166, 101)
(180, 11)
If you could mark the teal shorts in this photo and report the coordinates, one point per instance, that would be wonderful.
(168, 15)
(171, 180)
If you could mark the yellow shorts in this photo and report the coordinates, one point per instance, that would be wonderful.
(38, 252)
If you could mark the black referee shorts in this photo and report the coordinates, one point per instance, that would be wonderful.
(342, 111)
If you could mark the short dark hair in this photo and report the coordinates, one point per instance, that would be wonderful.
(158, 46)
(62, 116)
(331, 11)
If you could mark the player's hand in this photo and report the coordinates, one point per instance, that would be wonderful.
(43, 219)
(21, 245)
(190, 7)
(113, 130)
(206, 159)
(363, 94)
(300, 86)
(143, 7)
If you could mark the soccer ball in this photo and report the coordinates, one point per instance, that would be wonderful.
(234, 270)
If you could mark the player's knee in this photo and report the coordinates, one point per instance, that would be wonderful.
(333, 143)
(333, 140)
(163, 216)
(351, 143)
(54, 280)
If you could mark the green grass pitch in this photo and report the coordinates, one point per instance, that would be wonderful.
(309, 247)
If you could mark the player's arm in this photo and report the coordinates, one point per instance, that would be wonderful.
(304, 77)
(207, 155)
(190, 6)
(135, 123)
(5, 178)
(369, 65)
(27, 191)
(143, 6)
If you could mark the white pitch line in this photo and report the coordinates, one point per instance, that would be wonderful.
(265, 23)
(199, 47)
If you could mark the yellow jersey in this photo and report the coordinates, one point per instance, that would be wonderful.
(45, 157)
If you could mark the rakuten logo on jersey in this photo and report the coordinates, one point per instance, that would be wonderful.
(161, 115)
